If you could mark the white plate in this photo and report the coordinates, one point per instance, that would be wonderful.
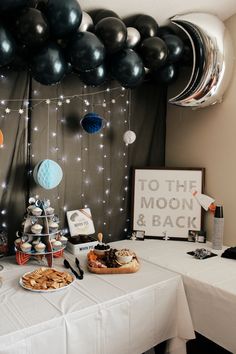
(45, 291)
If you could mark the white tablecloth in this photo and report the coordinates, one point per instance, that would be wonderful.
(210, 285)
(101, 314)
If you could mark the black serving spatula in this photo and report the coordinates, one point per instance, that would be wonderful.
(67, 265)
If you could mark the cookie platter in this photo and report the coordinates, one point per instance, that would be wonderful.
(46, 280)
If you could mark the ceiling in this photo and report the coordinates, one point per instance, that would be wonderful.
(162, 9)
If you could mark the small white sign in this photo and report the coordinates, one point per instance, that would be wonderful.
(80, 222)
(163, 204)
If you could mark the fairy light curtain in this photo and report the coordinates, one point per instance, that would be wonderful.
(97, 167)
(13, 151)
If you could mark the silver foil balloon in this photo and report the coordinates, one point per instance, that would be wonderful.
(133, 37)
(86, 23)
(213, 60)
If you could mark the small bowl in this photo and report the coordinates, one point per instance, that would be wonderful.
(101, 252)
(124, 256)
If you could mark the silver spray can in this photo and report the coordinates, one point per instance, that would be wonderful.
(218, 228)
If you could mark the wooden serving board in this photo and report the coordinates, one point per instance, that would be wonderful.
(131, 267)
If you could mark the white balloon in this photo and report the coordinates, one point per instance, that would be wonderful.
(129, 137)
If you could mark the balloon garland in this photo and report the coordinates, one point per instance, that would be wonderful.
(52, 38)
(62, 38)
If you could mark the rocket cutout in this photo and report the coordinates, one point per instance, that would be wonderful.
(205, 201)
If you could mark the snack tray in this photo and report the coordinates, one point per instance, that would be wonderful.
(131, 267)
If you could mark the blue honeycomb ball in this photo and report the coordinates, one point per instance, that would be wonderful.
(92, 123)
(48, 174)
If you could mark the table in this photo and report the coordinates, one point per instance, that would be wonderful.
(101, 314)
(210, 285)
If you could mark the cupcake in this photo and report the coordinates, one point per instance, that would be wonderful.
(40, 247)
(26, 247)
(18, 243)
(57, 245)
(49, 211)
(53, 226)
(30, 208)
(36, 211)
(53, 240)
(36, 242)
(63, 240)
(36, 229)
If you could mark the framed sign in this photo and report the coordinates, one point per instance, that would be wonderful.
(163, 204)
(80, 222)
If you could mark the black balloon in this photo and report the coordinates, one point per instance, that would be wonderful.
(7, 46)
(175, 47)
(127, 68)
(32, 28)
(167, 74)
(112, 32)
(146, 25)
(153, 52)
(9, 5)
(21, 59)
(64, 16)
(49, 65)
(164, 30)
(85, 51)
(101, 14)
(94, 77)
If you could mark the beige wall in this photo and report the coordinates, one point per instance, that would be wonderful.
(207, 138)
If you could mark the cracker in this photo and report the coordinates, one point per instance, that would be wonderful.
(46, 279)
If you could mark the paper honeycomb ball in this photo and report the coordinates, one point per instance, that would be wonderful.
(92, 123)
(48, 174)
(129, 137)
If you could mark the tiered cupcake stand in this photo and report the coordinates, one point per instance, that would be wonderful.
(46, 237)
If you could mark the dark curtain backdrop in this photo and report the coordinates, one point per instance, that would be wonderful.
(97, 168)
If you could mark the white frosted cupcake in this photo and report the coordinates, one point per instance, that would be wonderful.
(18, 243)
(30, 208)
(57, 245)
(49, 211)
(26, 247)
(53, 226)
(40, 247)
(37, 229)
(63, 240)
(36, 242)
(36, 211)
